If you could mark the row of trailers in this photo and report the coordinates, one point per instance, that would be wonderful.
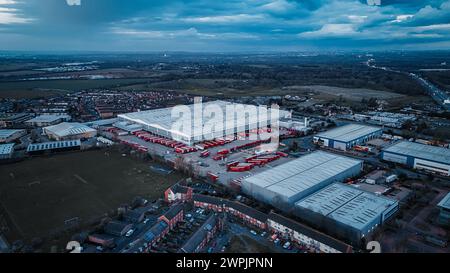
(176, 145)
(252, 161)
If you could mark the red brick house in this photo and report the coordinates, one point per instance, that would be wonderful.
(203, 235)
(174, 215)
(178, 193)
(243, 212)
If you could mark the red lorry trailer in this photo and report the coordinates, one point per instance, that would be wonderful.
(212, 176)
(241, 167)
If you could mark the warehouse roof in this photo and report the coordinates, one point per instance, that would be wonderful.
(69, 128)
(311, 233)
(48, 118)
(303, 173)
(349, 132)
(6, 149)
(53, 145)
(164, 119)
(101, 122)
(329, 199)
(445, 202)
(5, 133)
(347, 205)
(427, 152)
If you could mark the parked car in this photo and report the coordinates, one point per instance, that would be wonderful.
(287, 245)
(129, 233)
(253, 232)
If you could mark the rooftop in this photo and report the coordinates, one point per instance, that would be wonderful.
(303, 173)
(445, 202)
(6, 149)
(348, 132)
(173, 211)
(69, 128)
(48, 118)
(194, 241)
(347, 204)
(5, 133)
(53, 145)
(164, 119)
(427, 152)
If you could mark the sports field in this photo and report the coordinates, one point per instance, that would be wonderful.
(39, 195)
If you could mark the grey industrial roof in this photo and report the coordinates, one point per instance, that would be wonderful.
(445, 202)
(348, 132)
(101, 122)
(303, 173)
(6, 149)
(347, 204)
(53, 145)
(163, 119)
(47, 118)
(427, 152)
(69, 128)
(5, 133)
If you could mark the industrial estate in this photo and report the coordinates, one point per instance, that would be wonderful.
(331, 185)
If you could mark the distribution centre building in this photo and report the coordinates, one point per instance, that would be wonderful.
(444, 210)
(7, 135)
(345, 211)
(47, 120)
(285, 184)
(160, 121)
(419, 156)
(347, 136)
(67, 131)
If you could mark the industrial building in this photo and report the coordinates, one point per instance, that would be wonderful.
(160, 121)
(347, 136)
(285, 184)
(419, 156)
(16, 119)
(11, 135)
(47, 120)
(6, 150)
(66, 131)
(346, 211)
(55, 146)
(444, 210)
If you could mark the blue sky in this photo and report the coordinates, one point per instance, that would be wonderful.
(228, 25)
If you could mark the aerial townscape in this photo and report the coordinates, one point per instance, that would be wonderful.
(224, 149)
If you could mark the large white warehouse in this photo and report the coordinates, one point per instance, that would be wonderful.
(419, 156)
(285, 184)
(346, 211)
(235, 118)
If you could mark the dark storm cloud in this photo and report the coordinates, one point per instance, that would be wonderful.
(222, 25)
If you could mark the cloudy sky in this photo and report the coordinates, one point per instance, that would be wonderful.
(228, 25)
